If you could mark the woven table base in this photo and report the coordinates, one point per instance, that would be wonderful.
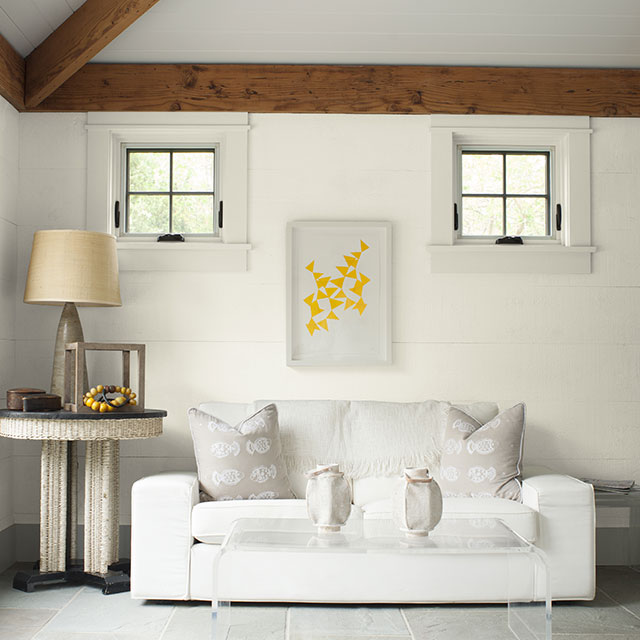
(60, 432)
(101, 505)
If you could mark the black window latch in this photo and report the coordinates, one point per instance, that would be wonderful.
(558, 217)
(116, 214)
(171, 237)
(455, 216)
(221, 215)
(510, 240)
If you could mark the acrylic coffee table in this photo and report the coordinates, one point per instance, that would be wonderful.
(370, 562)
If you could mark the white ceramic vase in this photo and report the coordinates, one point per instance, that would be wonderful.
(417, 502)
(328, 498)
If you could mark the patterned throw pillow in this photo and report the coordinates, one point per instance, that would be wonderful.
(242, 462)
(482, 461)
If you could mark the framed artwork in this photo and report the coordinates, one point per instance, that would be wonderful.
(338, 293)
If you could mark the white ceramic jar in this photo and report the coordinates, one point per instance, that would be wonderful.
(417, 502)
(328, 498)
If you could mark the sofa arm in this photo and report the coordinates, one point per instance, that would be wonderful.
(161, 539)
(566, 532)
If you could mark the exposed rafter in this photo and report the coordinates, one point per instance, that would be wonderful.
(11, 75)
(78, 39)
(349, 89)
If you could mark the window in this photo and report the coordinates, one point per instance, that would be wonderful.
(170, 191)
(497, 176)
(504, 193)
(150, 174)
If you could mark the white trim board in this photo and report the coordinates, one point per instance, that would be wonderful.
(107, 132)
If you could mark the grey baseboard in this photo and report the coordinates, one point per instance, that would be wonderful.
(7, 547)
(21, 543)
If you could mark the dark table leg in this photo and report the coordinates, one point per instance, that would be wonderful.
(116, 580)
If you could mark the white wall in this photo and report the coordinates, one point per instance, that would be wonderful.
(9, 151)
(567, 345)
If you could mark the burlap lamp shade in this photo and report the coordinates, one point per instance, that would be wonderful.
(71, 267)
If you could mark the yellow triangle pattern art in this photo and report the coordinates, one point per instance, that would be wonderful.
(319, 311)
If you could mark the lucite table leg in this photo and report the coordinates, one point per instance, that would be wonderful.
(220, 620)
(529, 612)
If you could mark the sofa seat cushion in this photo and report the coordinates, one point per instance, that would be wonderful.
(521, 518)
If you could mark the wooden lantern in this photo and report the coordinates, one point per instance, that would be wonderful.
(73, 379)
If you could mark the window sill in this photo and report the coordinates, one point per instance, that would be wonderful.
(182, 256)
(502, 258)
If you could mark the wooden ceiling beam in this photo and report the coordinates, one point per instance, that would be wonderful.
(11, 75)
(349, 89)
(76, 41)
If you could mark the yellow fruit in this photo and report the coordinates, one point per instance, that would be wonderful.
(132, 402)
(118, 389)
(132, 396)
(109, 407)
(93, 391)
(95, 405)
(103, 407)
(99, 388)
(88, 402)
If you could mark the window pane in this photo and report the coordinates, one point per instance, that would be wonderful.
(482, 216)
(481, 173)
(148, 214)
(193, 214)
(526, 217)
(148, 171)
(193, 171)
(527, 174)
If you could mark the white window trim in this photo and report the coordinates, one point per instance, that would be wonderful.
(569, 137)
(107, 132)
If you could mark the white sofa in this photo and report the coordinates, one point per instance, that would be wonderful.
(176, 538)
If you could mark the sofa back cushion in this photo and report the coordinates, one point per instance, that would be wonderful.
(311, 432)
(368, 439)
(371, 441)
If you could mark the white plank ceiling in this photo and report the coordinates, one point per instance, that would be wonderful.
(575, 33)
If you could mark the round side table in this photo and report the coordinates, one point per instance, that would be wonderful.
(60, 431)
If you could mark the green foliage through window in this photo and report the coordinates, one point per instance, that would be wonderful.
(505, 193)
(170, 191)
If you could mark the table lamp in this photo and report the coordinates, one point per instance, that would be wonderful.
(71, 267)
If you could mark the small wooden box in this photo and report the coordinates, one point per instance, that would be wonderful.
(15, 396)
(75, 356)
(42, 402)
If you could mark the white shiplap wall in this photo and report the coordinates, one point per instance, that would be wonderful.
(8, 233)
(568, 345)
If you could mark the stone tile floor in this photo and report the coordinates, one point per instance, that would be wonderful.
(83, 613)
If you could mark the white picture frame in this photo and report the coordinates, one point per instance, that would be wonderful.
(344, 268)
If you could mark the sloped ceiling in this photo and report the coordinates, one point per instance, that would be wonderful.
(569, 33)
